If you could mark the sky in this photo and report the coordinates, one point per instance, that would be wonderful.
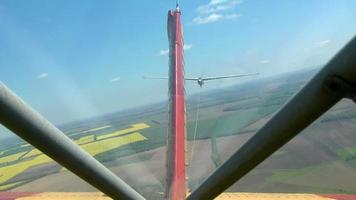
(73, 60)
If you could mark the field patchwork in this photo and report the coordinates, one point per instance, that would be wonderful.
(11, 158)
(19, 162)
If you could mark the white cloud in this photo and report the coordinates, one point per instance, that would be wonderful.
(187, 47)
(265, 61)
(163, 52)
(322, 43)
(218, 5)
(208, 19)
(42, 76)
(214, 18)
(214, 11)
(116, 79)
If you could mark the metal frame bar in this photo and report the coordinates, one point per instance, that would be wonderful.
(21, 119)
(306, 106)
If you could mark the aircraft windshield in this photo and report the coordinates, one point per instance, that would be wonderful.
(82, 64)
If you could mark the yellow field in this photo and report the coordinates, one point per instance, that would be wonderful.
(92, 130)
(86, 139)
(94, 148)
(11, 158)
(8, 172)
(33, 152)
(101, 146)
(135, 127)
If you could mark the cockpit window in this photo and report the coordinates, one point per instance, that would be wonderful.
(99, 72)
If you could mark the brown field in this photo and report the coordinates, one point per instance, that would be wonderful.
(307, 164)
(304, 151)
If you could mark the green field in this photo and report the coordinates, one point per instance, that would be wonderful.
(231, 112)
(348, 153)
(15, 164)
(329, 177)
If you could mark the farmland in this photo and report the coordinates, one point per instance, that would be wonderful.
(15, 164)
(132, 144)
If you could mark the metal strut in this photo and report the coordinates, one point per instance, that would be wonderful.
(340, 87)
(322, 92)
(28, 124)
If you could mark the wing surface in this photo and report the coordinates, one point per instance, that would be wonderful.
(230, 76)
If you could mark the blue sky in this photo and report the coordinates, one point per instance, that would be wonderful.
(77, 59)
